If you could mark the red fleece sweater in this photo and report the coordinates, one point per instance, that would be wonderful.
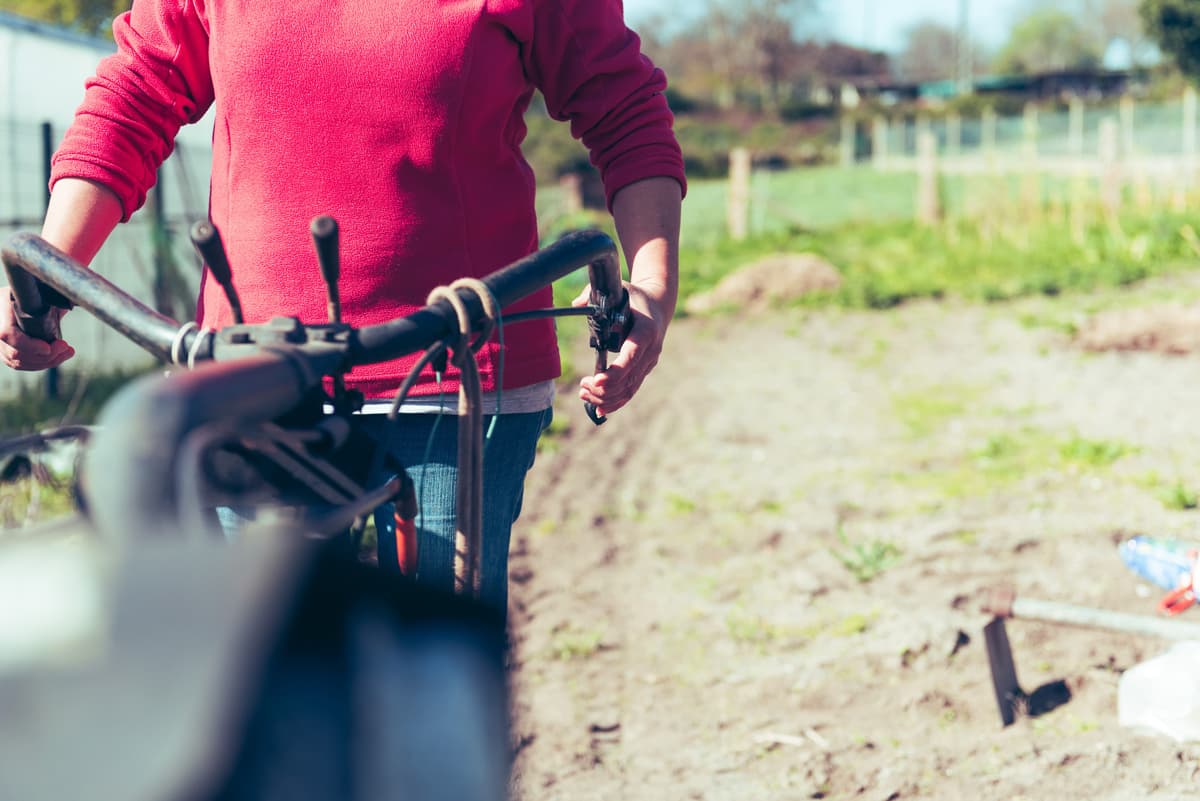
(402, 120)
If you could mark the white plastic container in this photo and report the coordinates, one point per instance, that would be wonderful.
(1162, 695)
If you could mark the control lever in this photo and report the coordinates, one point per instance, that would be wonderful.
(207, 240)
(325, 237)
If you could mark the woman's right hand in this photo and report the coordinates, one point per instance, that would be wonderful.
(22, 352)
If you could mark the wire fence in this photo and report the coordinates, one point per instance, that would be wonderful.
(1154, 137)
(131, 258)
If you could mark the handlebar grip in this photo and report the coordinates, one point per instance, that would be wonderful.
(32, 312)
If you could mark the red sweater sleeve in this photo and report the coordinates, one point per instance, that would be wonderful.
(590, 68)
(140, 96)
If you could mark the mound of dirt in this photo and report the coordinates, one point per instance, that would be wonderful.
(770, 281)
(1163, 329)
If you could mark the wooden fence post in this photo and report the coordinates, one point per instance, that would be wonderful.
(849, 141)
(879, 142)
(929, 202)
(1189, 125)
(571, 186)
(1076, 136)
(1031, 178)
(1111, 175)
(1183, 184)
(1128, 125)
(739, 193)
(989, 136)
(954, 137)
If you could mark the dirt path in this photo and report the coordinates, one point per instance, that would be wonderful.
(687, 598)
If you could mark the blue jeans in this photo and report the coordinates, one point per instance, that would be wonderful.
(509, 455)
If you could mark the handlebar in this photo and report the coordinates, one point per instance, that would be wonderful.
(263, 371)
(34, 266)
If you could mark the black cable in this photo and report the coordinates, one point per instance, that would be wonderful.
(540, 314)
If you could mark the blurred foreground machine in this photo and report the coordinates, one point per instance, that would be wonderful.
(192, 670)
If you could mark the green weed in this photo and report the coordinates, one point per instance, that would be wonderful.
(572, 643)
(1179, 497)
(750, 629)
(1175, 494)
(853, 625)
(926, 411)
(680, 505)
(866, 560)
(1093, 453)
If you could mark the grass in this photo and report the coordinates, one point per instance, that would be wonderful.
(79, 400)
(1006, 457)
(884, 264)
(925, 411)
(570, 643)
(866, 561)
(26, 502)
(1178, 496)
(862, 222)
(1092, 453)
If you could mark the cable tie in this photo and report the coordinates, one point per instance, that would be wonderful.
(194, 351)
(177, 343)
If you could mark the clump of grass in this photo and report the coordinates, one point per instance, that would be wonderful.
(680, 505)
(866, 561)
(1174, 494)
(853, 625)
(572, 643)
(925, 411)
(1179, 497)
(1093, 453)
(750, 629)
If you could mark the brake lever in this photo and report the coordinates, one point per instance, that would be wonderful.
(610, 325)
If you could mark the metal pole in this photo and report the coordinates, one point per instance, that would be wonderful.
(52, 376)
(1053, 612)
(966, 56)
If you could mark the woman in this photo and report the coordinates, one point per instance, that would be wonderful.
(404, 123)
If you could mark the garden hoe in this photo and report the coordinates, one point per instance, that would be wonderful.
(1003, 604)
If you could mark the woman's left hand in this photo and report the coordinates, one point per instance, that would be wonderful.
(646, 214)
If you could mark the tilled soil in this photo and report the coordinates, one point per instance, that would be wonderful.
(764, 579)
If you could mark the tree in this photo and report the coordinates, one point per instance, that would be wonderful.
(1118, 27)
(87, 16)
(930, 53)
(836, 60)
(1175, 25)
(1049, 40)
(739, 50)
